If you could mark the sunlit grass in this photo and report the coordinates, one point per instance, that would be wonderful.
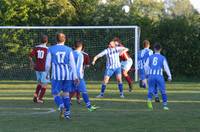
(19, 114)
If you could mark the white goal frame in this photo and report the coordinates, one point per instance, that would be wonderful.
(136, 35)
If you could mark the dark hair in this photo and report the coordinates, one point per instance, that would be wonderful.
(78, 43)
(60, 37)
(146, 43)
(117, 39)
(157, 46)
(44, 38)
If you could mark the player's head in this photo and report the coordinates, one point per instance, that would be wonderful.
(157, 47)
(117, 41)
(111, 44)
(60, 38)
(146, 44)
(78, 45)
(44, 39)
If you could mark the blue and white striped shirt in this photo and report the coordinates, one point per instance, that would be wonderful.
(155, 64)
(112, 57)
(61, 58)
(142, 57)
(78, 57)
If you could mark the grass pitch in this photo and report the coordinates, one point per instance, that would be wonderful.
(19, 114)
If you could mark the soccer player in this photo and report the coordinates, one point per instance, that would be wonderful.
(143, 55)
(60, 58)
(86, 63)
(126, 63)
(154, 66)
(39, 54)
(79, 59)
(113, 66)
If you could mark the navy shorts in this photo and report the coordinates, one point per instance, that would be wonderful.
(81, 87)
(61, 85)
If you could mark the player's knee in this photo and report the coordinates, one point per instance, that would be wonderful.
(84, 92)
(119, 80)
(105, 81)
(125, 74)
(65, 94)
(44, 86)
(54, 94)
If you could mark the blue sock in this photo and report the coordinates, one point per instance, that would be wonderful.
(86, 100)
(120, 87)
(164, 98)
(103, 87)
(66, 101)
(58, 101)
(156, 92)
(150, 95)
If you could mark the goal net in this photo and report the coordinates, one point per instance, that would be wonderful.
(17, 41)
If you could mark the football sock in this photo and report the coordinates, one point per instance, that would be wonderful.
(156, 92)
(120, 87)
(164, 98)
(71, 95)
(38, 88)
(58, 101)
(103, 87)
(42, 93)
(128, 79)
(86, 100)
(149, 96)
(66, 101)
(141, 84)
(78, 95)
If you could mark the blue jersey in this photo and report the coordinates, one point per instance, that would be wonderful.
(143, 55)
(112, 57)
(79, 58)
(60, 57)
(155, 65)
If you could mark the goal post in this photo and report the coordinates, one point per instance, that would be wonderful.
(16, 42)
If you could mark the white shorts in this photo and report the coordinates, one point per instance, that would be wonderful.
(42, 77)
(126, 65)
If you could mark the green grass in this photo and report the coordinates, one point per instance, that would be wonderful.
(19, 114)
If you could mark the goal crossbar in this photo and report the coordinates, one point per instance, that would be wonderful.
(136, 35)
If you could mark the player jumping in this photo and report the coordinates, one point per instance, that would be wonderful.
(61, 59)
(113, 66)
(39, 54)
(154, 66)
(126, 63)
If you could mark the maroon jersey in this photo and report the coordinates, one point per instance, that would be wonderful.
(124, 56)
(86, 58)
(39, 53)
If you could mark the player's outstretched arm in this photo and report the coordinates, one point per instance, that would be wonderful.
(99, 56)
(48, 62)
(146, 67)
(167, 70)
(73, 66)
(31, 55)
(122, 50)
(32, 64)
(94, 60)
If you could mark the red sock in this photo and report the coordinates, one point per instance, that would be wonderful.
(42, 92)
(71, 95)
(38, 88)
(128, 79)
(78, 96)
